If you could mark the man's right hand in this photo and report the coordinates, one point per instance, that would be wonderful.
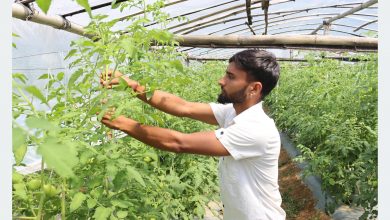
(109, 78)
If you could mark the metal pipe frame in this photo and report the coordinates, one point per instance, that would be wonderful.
(277, 12)
(349, 12)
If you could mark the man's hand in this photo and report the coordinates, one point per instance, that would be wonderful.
(109, 78)
(113, 124)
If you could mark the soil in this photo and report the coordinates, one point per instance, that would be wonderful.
(298, 201)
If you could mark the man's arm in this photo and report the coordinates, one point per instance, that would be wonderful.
(167, 102)
(204, 143)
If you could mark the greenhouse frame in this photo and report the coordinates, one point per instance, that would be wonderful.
(67, 165)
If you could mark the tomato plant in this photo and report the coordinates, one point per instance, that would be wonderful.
(329, 108)
(93, 172)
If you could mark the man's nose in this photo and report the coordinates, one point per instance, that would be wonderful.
(221, 81)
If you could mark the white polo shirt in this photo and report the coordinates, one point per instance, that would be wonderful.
(249, 177)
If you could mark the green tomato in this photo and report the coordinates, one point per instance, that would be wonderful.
(50, 190)
(147, 159)
(34, 184)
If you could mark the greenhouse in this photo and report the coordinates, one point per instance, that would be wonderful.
(80, 66)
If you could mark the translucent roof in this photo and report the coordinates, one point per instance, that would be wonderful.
(233, 17)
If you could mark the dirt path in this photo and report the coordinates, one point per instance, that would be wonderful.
(298, 201)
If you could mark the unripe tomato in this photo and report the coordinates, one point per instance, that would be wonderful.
(34, 184)
(50, 190)
(147, 159)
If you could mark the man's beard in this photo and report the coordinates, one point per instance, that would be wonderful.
(238, 97)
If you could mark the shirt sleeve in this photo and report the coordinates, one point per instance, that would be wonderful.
(220, 112)
(243, 142)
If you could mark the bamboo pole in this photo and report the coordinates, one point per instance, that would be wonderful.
(280, 41)
(234, 41)
(22, 12)
(349, 12)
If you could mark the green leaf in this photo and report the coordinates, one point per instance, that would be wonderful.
(13, 45)
(15, 35)
(44, 76)
(19, 146)
(59, 155)
(33, 90)
(18, 136)
(73, 78)
(91, 203)
(40, 123)
(70, 54)
(132, 173)
(120, 203)
(102, 213)
(77, 200)
(43, 4)
(177, 65)
(85, 5)
(122, 214)
(60, 76)
(20, 190)
(114, 4)
(20, 76)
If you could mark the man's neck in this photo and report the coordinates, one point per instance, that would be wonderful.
(240, 107)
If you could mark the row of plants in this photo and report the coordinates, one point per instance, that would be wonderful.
(329, 109)
(92, 171)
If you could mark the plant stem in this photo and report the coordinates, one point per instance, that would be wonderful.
(63, 200)
(42, 201)
(27, 100)
(24, 217)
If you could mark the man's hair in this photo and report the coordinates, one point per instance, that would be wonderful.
(260, 65)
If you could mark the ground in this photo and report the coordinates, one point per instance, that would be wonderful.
(298, 201)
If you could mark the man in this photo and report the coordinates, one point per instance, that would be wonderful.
(247, 141)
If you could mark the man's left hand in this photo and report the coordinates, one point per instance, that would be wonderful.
(115, 123)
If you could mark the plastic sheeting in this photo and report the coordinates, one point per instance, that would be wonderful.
(39, 49)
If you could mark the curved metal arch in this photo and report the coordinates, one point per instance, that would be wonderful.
(271, 13)
(197, 27)
(233, 26)
(317, 16)
(288, 20)
(226, 10)
(194, 11)
(271, 18)
(310, 29)
(300, 25)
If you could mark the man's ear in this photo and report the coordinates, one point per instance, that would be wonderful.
(257, 87)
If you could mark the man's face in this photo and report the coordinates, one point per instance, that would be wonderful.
(233, 85)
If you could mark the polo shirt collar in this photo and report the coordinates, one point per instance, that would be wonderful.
(250, 113)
